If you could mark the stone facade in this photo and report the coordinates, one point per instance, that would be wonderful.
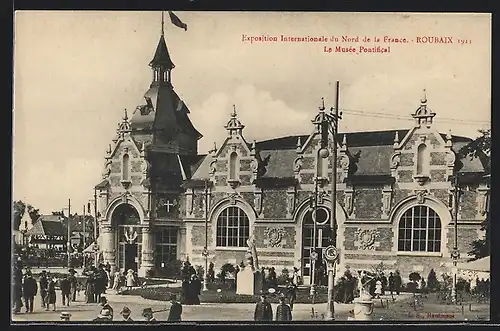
(265, 191)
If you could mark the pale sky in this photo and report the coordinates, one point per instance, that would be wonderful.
(76, 72)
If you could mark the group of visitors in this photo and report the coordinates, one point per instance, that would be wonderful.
(264, 311)
(191, 285)
(96, 283)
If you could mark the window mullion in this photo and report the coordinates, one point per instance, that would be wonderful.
(412, 227)
(427, 231)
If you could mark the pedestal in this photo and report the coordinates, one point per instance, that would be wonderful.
(108, 245)
(147, 254)
(363, 309)
(249, 282)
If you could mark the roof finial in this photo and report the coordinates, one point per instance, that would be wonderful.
(109, 149)
(162, 23)
(448, 135)
(344, 140)
(234, 111)
(254, 143)
(423, 99)
(125, 116)
(396, 137)
(322, 108)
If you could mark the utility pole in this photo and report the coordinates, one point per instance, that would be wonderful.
(455, 254)
(330, 312)
(95, 215)
(84, 228)
(69, 233)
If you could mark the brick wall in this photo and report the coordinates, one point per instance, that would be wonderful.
(466, 235)
(216, 197)
(136, 180)
(438, 175)
(420, 264)
(400, 195)
(115, 180)
(245, 180)
(302, 196)
(245, 165)
(116, 166)
(384, 239)
(405, 176)
(406, 159)
(275, 204)
(368, 203)
(468, 204)
(308, 162)
(438, 158)
(221, 166)
(220, 180)
(341, 198)
(198, 235)
(349, 238)
(136, 165)
(249, 198)
(442, 194)
(198, 205)
(434, 141)
(307, 178)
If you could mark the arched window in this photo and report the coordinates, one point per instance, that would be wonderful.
(422, 159)
(125, 166)
(233, 161)
(419, 230)
(233, 228)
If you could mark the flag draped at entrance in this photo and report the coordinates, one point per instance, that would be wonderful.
(177, 21)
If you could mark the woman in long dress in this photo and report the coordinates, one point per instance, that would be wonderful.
(51, 294)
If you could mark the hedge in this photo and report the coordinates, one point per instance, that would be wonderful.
(224, 296)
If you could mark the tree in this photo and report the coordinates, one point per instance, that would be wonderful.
(432, 282)
(33, 212)
(18, 209)
(481, 247)
(481, 148)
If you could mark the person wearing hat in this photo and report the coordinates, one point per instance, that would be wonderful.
(65, 316)
(126, 314)
(44, 284)
(104, 316)
(147, 313)
(175, 312)
(105, 305)
(30, 288)
(263, 310)
(283, 311)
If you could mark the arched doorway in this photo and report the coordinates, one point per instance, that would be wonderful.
(318, 240)
(126, 221)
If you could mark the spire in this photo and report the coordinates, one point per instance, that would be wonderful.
(299, 144)
(423, 115)
(162, 57)
(322, 108)
(125, 116)
(234, 125)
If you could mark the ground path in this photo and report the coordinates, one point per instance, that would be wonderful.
(81, 311)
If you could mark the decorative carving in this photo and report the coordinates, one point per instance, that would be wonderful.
(130, 235)
(344, 163)
(421, 179)
(366, 238)
(144, 167)
(482, 201)
(213, 166)
(232, 199)
(189, 202)
(450, 158)
(421, 194)
(423, 139)
(395, 160)
(321, 196)
(274, 237)
(348, 201)
(297, 164)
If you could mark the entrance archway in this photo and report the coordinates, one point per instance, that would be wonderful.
(126, 221)
(316, 238)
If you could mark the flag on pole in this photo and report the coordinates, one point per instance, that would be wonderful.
(177, 21)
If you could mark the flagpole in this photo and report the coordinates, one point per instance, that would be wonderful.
(162, 23)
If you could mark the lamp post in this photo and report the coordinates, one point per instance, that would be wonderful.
(68, 244)
(205, 249)
(455, 254)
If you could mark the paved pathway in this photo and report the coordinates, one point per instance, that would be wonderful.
(81, 311)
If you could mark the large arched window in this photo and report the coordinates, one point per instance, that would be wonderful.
(419, 230)
(233, 228)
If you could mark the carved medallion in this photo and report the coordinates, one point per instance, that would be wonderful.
(274, 237)
(366, 239)
(421, 196)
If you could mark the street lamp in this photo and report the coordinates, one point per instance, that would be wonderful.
(68, 244)
(205, 249)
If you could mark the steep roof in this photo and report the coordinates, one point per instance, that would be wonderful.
(162, 57)
(49, 225)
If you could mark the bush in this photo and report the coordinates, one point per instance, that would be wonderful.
(226, 269)
(172, 269)
(283, 277)
(414, 277)
(150, 273)
(200, 272)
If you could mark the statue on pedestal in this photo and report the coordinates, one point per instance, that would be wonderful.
(251, 255)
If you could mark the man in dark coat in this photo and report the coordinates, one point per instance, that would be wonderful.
(65, 290)
(30, 288)
(175, 312)
(397, 282)
(263, 310)
(391, 283)
(18, 288)
(291, 293)
(44, 283)
(73, 282)
(194, 290)
(283, 311)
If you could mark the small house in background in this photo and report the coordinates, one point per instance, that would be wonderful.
(48, 232)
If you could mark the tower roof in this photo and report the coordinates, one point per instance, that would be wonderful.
(162, 57)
